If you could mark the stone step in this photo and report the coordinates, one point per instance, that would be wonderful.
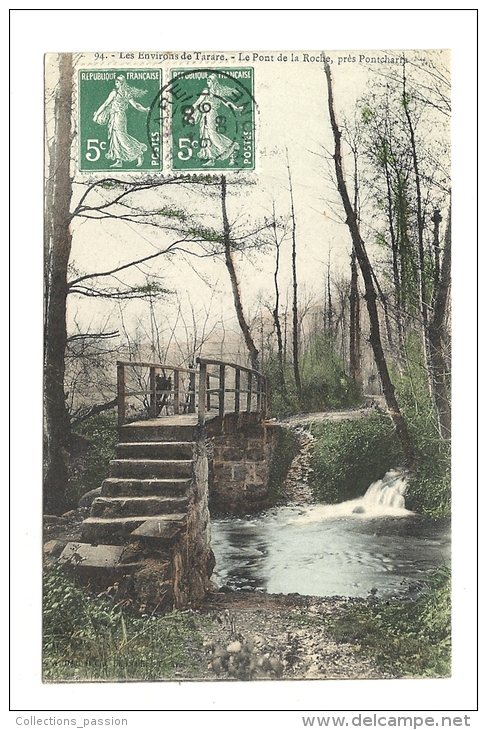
(133, 506)
(155, 468)
(153, 450)
(82, 554)
(116, 530)
(116, 487)
(156, 432)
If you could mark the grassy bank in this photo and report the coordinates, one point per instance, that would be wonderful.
(92, 639)
(349, 455)
(408, 639)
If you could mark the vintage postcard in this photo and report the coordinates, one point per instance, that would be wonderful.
(247, 366)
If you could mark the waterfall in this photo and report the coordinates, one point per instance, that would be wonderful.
(388, 491)
(385, 497)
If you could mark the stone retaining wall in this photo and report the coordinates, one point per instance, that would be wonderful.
(241, 455)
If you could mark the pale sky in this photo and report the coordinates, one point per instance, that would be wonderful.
(292, 119)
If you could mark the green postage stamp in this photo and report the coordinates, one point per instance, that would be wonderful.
(115, 128)
(205, 116)
(212, 119)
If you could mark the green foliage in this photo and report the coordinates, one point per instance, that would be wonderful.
(325, 384)
(173, 213)
(152, 289)
(99, 438)
(349, 455)
(90, 639)
(384, 153)
(367, 114)
(429, 490)
(407, 638)
(206, 234)
(283, 398)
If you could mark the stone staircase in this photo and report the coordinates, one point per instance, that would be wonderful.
(149, 481)
(133, 542)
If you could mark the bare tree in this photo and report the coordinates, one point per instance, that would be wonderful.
(277, 240)
(370, 291)
(230, 264)
(58, 241)
(297, 375)
(436, 335)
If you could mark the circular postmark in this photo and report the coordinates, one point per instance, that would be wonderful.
(208, 117)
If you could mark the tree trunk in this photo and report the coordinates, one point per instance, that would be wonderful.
(275, 311)
(297, 376)
(436, 337)
(58, 233)
(237, 299)
(355, 368)
(421, 252)
(370, 293)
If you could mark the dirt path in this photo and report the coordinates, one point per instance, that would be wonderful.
(261, 636)
(373, 403)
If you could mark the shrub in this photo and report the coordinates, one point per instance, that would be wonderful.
(94, 444)
(349, 455)
(429, 489)
(324, 383)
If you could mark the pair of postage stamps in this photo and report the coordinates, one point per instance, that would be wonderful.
(193, 120)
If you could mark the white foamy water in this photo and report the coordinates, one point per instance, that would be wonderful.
(348, 549)
(384, 497)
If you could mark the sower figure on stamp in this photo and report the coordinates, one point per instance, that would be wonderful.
(113, 111)
(163, 389)
(214, 144)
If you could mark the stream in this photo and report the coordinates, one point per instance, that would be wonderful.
(367, 546)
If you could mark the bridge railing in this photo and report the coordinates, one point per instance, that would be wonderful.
(149, 390)
(226, 387)
(146, 389)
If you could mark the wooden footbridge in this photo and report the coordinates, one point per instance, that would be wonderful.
(153, 506)
(211, 389)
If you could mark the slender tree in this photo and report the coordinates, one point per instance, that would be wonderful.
(370, 291)
(297, 375)
(355, 329)
(436, 335)
(275, 311)
(230, 264)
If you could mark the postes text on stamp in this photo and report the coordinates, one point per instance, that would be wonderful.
(213, 119)
(114, 130)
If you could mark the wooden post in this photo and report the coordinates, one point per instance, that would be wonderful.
(221, 394)
(202, 394)
(249, 392)
(192, 392)
(237, 390)
(121, 393)
(152, 389)
(259, 393)
(176, 391)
